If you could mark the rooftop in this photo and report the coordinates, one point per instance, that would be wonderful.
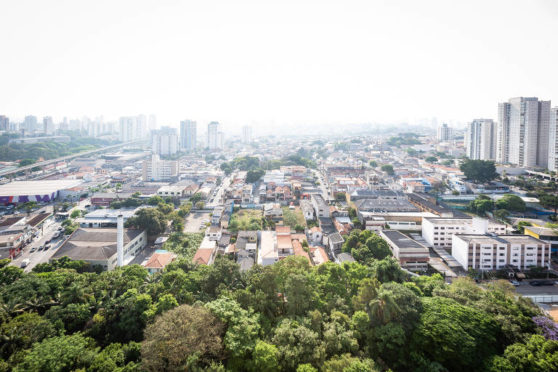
(18, 188)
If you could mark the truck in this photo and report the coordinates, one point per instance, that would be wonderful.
(24, 263)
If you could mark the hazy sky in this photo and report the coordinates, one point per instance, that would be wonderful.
(275, 62)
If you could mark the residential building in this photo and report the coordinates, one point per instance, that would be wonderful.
(132, 128)
(553, 140)
(103, 199)
(411, 254)
(188, 135)
(320, 206)
(105, 218)
(164, 141)
(246, 134)
(480, 139)
(247, 240)
(205, 255)
(156, 169)
(523, 132)
(159, 260)
(307, 210)
(438, 232)
(493, 252)
(30, 123)
(335, 241)
(444, 133)
(284, 241)
(213, 136)
(268, 253)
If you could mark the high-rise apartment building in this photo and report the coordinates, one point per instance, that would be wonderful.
(156, 169)
(246, 134)
(553, 140)
(4, 122)
(164, 141)
(132, 128)
(213, 135)
(523, 129)
(188, 135)
(152, 123)
(445, 133)
(480, 139)
(48, 125)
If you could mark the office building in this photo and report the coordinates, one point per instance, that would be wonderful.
(480, 139)
(164, 141)
(48, 125)
(246, 134)
(523, 132)
(156, 169)
(444, 133)
(553, 140)
(438, 232)
(493, 252)
(213, 140)
(411, 254)
(188, 135)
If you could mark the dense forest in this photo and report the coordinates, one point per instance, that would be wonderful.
(46, 150)
(361, 316)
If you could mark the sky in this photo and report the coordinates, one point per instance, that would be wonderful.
(275, 63)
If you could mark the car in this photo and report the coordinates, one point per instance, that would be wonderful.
(47, 246)
(33, 249)
(514, 282)
(48, 240)
(24, 263)
(60, 228)
(538, 283)
(41, 248)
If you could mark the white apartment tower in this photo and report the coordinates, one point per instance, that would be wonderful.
(246, 134)
(445, 133)
(523, 131)
(132, 128)
(552, 140)
(188, 135)
(164, 141)
(48, 125)
(213, 135)
(480, 139)
(156, 169)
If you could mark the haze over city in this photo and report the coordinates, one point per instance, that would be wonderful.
(268, 64)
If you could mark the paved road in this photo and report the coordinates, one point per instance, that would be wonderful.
(217, 194)
(39, 256)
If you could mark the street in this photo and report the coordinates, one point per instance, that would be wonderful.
(216, 197)
(40, 256)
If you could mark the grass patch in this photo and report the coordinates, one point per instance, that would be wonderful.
(293, 217)
(246, 219)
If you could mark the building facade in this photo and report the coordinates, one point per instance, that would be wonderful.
(246, 134)
(156, 169)
(188, 135)
(553, 140)
(164, 141)
(523, 132)
(493, 252)
(480, 140)
(213, 130)
(444, 133)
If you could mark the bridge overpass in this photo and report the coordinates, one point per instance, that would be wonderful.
(67, 157)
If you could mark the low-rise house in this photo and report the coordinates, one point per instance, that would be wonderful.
(298, 250)
(159, 260)
(247, 240)
(213, 233)
(315, 235)
(205, 255)
(284, 240)
(318, 255)
(335, 241)
(103, 199)
(307, 210)
(268, 253)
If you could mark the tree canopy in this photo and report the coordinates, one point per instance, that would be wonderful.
(479, 171)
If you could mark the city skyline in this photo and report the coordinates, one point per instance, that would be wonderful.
(266, 66)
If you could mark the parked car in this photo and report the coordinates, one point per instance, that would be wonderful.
(47, 246)
(24, 263)
(514, 282)
(41, 248)
(33, 249)
(538, 283)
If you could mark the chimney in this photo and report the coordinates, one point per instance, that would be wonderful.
(120, 240)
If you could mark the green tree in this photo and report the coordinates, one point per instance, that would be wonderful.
(150, 219)
(550, 201)
(254, 175)
(431, 159)
(265, 357)
(479, 171)
(511, 202)
(297, 345)
(373, 163)
(388, 168)
(177, 335)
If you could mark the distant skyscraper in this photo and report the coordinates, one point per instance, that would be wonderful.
(48, 125)
(133, 128)
(164, 141)
(4, 122)
(480, 139)
(523, 132)
(553, 140)
(188, 135)
(152, 122)
(213, 135)
(30, 123)
(246, 134)
(445, 133)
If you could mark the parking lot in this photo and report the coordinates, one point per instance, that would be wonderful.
(195, 221)
(526, 289)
